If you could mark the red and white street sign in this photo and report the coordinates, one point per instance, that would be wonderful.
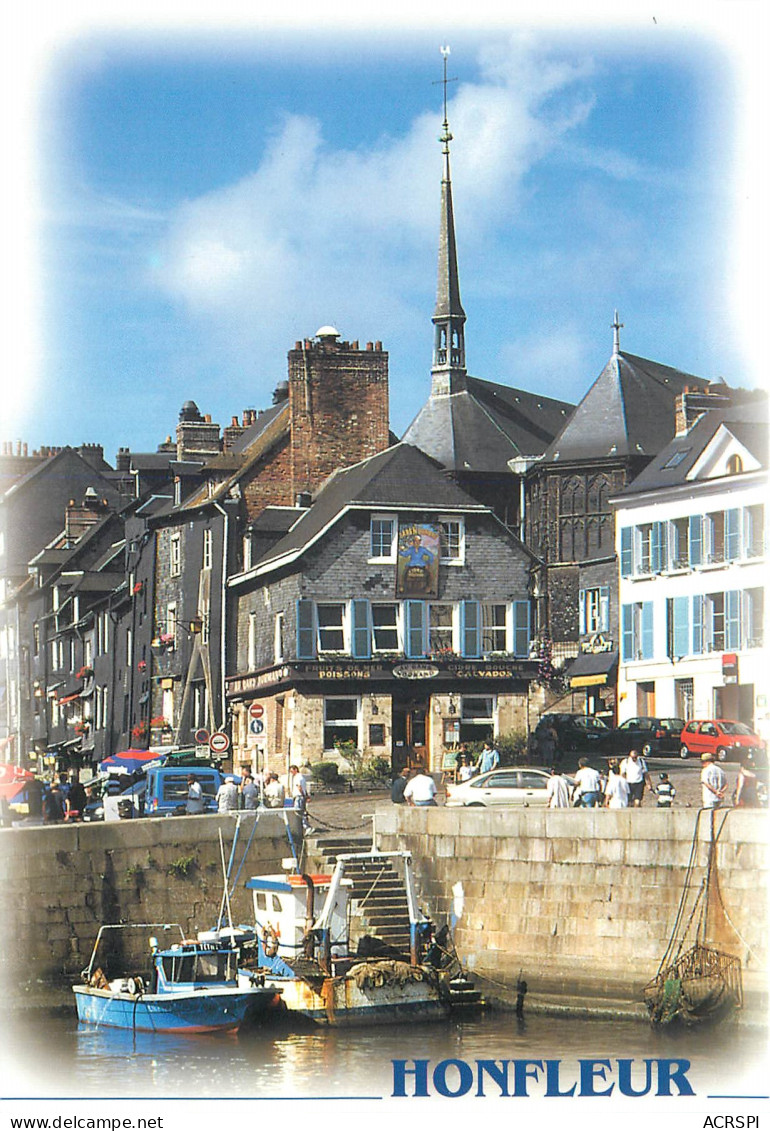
(219, 742)
(256, 710)
(202, 737)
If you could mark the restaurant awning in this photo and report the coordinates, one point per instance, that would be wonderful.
(593, 669)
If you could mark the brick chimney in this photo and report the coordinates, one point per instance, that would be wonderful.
(81, 517)
(338, 406)
(691, 404)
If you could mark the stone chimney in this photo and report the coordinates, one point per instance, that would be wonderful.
(197, 438)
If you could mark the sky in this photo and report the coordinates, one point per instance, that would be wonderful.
(199, 195)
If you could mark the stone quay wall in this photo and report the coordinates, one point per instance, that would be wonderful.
(59, 884)
(582, 902)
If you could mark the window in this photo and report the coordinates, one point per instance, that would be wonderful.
(331, 627)
(175, 555)
(734, 465)
(754, 531)
(415, 631)
(382, 538)
(732, 534)
(200, 705)
(207, 549)
(341, 721)
(306, 629)
(637, 630)
(440, 628)
(451, 534)
(494, 628)
(644, 548)
(36, 639)
(678, 543)
(385, 627)
(476, 718)
(675, 459)
(753, 617)
(167, 705)
(715, 536)
(595, 610)
(278, 639)
(247, 551)
(376, 734)
(627, 551)
(88, 652)
(171, 622)
(715, 621)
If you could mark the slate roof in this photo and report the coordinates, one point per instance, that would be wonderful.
(250, 434)
(628, 411)
(483, 427)
(400, 477)
(748, 423)
(277, 519)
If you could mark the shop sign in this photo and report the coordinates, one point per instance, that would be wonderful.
(730, 667)
(242, 685)
(596, 644)
(415, 671)
(484, 671)
(417, 560)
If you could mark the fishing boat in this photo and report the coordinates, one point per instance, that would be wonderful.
(699, 980)
(188, 986)
(302, 926)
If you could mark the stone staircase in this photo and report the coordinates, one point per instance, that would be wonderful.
(378, 903)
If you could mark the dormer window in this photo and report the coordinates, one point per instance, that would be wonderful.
(382, 534)
(734, 465)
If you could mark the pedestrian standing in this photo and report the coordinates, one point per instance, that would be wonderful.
(298, 788)
(195, 803)
(746, 796)
(634, 770)
(227, 795)
(665, 792)
(713, 782)
(248, 790)
(557, 789)
(465, 768)
(617, 791)
(53, 804)
(488, 758)
(587, 785)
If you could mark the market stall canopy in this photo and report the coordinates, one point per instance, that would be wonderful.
(13, 780)
(127, 761)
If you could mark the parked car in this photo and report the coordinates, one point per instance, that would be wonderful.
(167, 787)
(578, 734)
(650, 736)
(507, 785)
(722, 737)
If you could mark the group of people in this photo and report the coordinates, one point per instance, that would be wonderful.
(244, 793)
(58, 800)
(621, 787)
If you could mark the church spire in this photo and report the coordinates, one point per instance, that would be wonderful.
(449, 373)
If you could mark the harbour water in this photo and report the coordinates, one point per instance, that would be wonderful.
(51, 1055)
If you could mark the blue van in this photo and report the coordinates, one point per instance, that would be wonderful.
(166, 792)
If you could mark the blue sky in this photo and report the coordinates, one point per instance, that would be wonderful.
(202, 201)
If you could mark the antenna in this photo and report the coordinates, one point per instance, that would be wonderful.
(446, 137)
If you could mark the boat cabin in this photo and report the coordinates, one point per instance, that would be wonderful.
(285, 907)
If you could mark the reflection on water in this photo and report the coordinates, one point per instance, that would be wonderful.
(54, 1056)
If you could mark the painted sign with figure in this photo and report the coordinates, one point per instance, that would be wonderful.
(417, 562)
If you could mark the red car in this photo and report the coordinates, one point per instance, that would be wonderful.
(722, 737)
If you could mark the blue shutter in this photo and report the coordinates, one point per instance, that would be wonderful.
(306, 634)
(696, 539)
(647, 631)
(733, 618)
(604, 608)
(582, 606)
(681, 639)
(415, 629)
(732, 534)
(697, 624)
(628, 632)
(521, 630)
(657, 547)
(470, 629)
(626, 551)
(361, 634)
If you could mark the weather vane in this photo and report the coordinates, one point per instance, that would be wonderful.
(446, 137)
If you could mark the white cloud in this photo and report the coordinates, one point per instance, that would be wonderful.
(319, 232)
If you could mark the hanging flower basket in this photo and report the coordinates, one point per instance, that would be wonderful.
(140, 731)
(142, 666)
(159, 723)
(139, 585)
(84, 673)
(82, 727)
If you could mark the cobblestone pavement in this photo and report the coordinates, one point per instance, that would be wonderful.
(350, 813)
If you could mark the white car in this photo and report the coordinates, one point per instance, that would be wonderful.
(507, 785)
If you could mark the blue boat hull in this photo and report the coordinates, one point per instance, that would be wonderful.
(196, 1011)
